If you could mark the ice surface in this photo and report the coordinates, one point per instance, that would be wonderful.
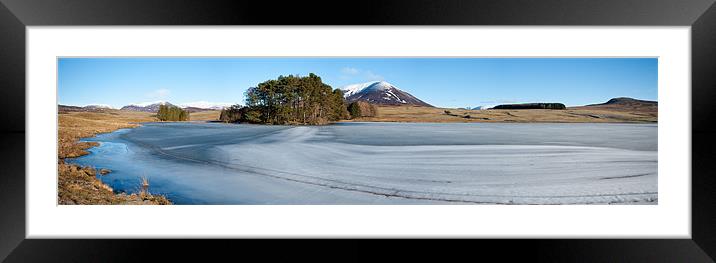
(385, 163)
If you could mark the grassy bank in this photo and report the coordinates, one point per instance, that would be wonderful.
(212, 115)
(79, 185)
(570, 115)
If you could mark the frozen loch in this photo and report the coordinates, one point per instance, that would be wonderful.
(384, 163)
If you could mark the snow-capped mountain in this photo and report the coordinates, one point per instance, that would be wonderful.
(97, 106)
(191, 106)
(380, 92)
(355, 88)
(146, 106)
(206, 105)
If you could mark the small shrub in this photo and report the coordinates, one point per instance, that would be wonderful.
(145, 185)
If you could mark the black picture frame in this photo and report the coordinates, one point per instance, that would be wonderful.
(15, 15)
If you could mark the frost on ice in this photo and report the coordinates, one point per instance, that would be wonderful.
(384, 163)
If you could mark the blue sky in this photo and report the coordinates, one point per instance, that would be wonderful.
(443, 82)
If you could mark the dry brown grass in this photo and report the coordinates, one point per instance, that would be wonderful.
(577, 114)
(79, 185)
(212, 115)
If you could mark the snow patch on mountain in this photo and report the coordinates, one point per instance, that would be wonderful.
(98, 106)
(368, 86)
(206, 105)
(355, 88)
(380, 92)
(145, 104)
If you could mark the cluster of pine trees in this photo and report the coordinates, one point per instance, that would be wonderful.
(290, 100)
(172, 113)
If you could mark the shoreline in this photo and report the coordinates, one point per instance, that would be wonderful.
(570, 115)
(418, 122)
(80, 185)
(83, 185)
(292, 139)
(511, 122)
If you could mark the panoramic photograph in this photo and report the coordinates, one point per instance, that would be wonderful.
(357, 131)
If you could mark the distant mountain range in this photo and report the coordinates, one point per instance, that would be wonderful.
(191, 107)
(380, 93)
(149, 106)
(98, 107)
(627, 102)
(377, 92)
(621, 103)
(206, 105)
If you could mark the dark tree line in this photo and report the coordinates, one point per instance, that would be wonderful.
(172, 113)
(233, 114)
(548, 106)
(290, 100)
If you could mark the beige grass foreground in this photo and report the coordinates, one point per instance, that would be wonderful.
(591, 114)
